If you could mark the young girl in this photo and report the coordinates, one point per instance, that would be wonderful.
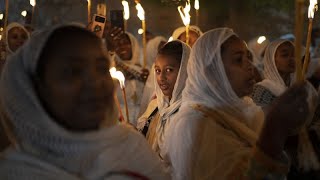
(170, 76)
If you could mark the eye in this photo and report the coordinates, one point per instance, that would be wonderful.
(169, 70)
(71, 72)
(157, 71)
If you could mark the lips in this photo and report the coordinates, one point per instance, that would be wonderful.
(164, 87)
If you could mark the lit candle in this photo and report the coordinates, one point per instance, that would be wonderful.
(197, 7)
(312, 8)
(144, 37)
(126, 14)
(89, 11)
(33, 4)
(120, 77)
(185, 16)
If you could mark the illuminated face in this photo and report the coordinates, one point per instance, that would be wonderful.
(16, 38)
(284, 58)
(166, 70)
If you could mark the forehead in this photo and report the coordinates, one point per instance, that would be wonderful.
(17, 30)
(165, 60)
(285, 46)
(234, 43)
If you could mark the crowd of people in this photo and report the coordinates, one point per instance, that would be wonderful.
(215, 108)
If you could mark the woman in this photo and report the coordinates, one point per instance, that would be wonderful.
(170, 77)
(216, 133)
(153, 47)
(194, 34)
(57, 99)
(279, 70)
(16, 35)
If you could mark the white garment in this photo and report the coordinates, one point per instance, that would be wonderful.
(152, 50)
(45, 150)
(180, 30)
(168, 109)
(199, 147)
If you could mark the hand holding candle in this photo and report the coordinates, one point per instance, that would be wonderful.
(312, 8)
(120, 77)
(185, 16)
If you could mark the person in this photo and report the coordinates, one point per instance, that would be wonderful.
(279, 73)
(194, 33)
(279, 68)
(149, 89)
(216, 133)
(57, 98)
(125, 55)
(16, 36)
(170, 77)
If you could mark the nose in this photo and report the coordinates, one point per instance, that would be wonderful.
(163, 75)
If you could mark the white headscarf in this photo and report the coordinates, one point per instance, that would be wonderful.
(152, 49)
(42, 144)
(177, 32)
(273, 81)
(11, 26)
(136, 58)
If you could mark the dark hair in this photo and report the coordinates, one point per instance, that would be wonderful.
(58, 36)
(173, 49)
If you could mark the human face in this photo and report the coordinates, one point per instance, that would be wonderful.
(284, 58)
(193, 36)
(166, 70)
(238, 66)
(123, 48)
(77, 89)
(16, 38)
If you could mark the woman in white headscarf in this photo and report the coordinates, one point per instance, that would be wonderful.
(170, 77)
(194, 33)
(279, 71)
(58, 106)
(215, 133)
(16, 35)
(149, 89)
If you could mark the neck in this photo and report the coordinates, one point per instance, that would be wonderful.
(285, 77)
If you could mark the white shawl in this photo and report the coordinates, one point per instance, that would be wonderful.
(199, 148)
(43, 149)
(180, 30)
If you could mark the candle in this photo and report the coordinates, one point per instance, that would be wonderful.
(89, 11)
(311, 10)
(144, 37)
(197, 7)
(120, 77)
(185, 16)
(126, 14)
(33, 4)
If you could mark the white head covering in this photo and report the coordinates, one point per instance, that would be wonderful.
(136, 58)
(273, 81)
(207, 86)
(90, 155)
(177, 32)
(11, 26)
(152, 49)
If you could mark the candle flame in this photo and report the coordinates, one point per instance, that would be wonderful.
(140, 12)
(117, 75)
(24, 13)
(32, 3)
(170, 39)
(140, 31)
(0, 37)
(126, 13)
(196, 5)
(312, 8)
(1, 16)
(261, 39)
(184, 13)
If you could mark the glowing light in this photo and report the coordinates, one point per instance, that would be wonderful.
(1, 16)
(24, 13)
(261, 39)
(312, 8)
(184, 13)
(33, 3)
(196, 5)
(140, 12)
(170, 39)
(140, 31)
(126, 13)
(117, 75)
